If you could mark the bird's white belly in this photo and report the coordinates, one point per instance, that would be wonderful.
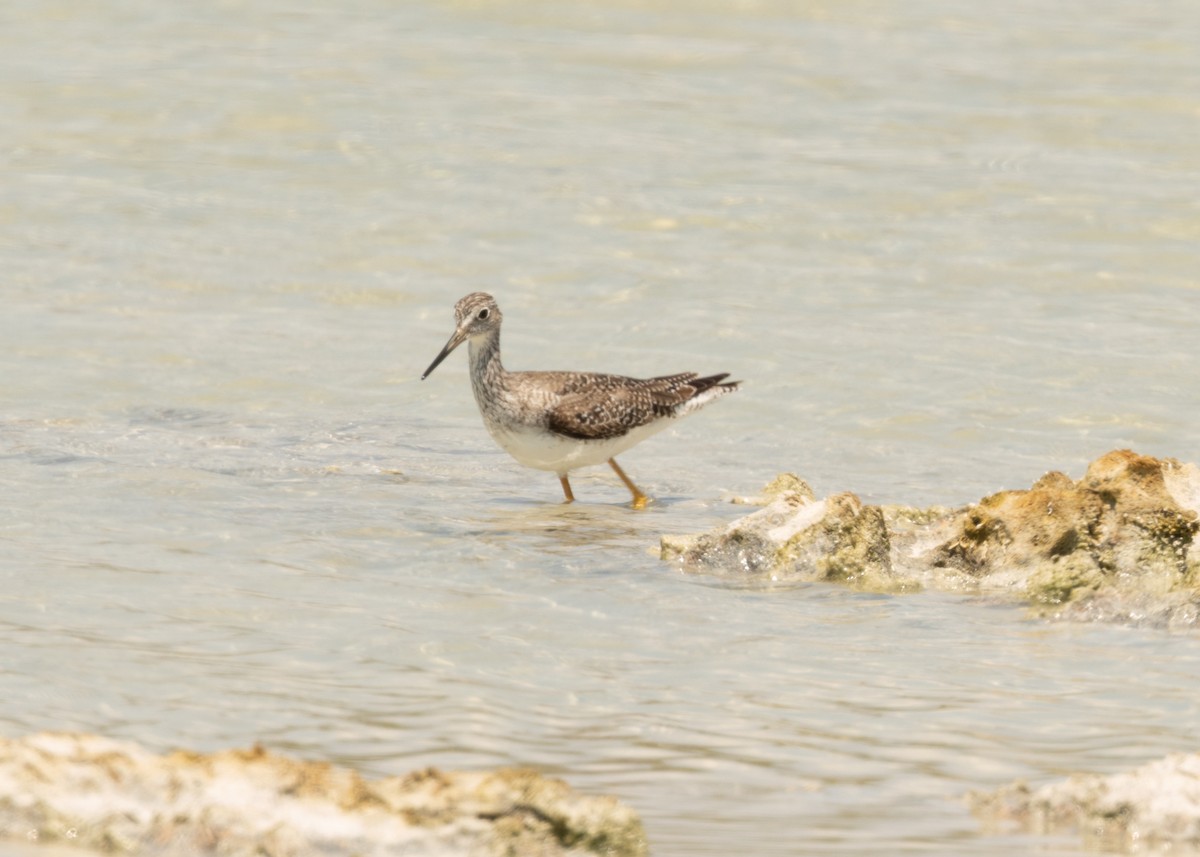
(544, 450)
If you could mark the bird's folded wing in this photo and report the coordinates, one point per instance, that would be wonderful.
(605, 406)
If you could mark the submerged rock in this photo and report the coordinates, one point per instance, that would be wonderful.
(1114, 545)
(115, 797)
(1154, 807)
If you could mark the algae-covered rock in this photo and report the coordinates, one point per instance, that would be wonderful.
(796, 538)
(1114, 545)
(847, 543)
(1154, 807)
(1069, 579)
(1052, 519)
(116, 797)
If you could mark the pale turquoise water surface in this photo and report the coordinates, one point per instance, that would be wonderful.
(947, 248)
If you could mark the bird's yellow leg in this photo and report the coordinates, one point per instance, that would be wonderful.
(639, 499)
(566, 489)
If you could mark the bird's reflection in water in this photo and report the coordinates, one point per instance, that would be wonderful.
(575, 526)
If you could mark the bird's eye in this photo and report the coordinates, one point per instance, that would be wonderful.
(483, 314)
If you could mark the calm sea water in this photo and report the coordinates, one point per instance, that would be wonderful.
(946, 247)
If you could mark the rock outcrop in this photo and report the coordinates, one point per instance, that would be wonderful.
(795, 538)
(117, 798)
(1153, 808)
(1114, 545)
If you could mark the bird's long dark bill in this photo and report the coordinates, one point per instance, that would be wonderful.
(455, 341)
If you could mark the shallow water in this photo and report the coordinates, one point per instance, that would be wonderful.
(946, 250)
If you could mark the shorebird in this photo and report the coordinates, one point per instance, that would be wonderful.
(561, 421)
